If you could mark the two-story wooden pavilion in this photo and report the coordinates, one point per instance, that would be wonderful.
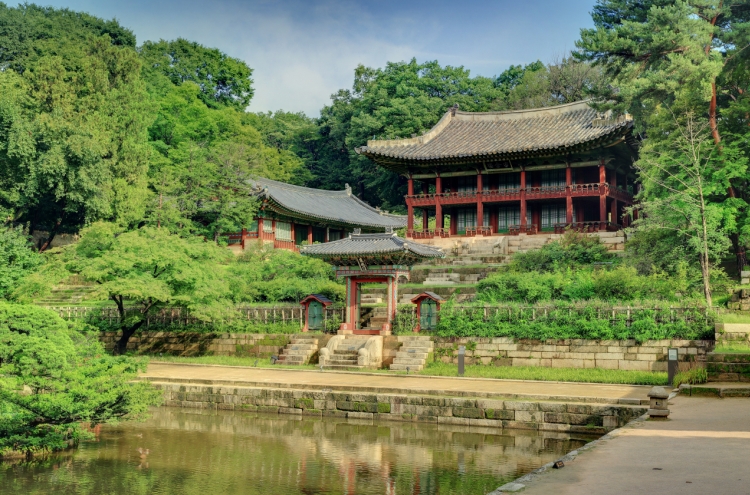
(292, 215)
(517, 171)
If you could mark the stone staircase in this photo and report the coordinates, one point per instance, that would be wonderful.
(441, 277)
(299, 351)
(727, 367)
(413, 354)
(65, 294)
(373, 318)
(342, 353)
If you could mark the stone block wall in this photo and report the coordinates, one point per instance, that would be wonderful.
(198, 344)
(569, 353)
(573, 353)
(519, 414)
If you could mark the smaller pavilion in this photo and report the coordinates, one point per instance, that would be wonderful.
(371, 258)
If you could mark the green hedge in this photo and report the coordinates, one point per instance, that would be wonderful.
(569, 322)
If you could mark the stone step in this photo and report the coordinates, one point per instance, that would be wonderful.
(292, 359)
(415, 355)
(292, 352)
(343, 367)
(413, 368)
(303, 341)
(302, 347)
(399, 360)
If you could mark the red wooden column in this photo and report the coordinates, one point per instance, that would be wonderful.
(523, 200)
(309, 235)
(480, 205)
(425, 212)
(614, 212)
(409, 207)
(294, 235)
(438, 206)
(602, 196)
(569, 195)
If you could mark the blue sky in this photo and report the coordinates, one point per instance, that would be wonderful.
(303, 51)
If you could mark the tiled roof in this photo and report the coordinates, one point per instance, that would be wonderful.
(341, 207)
(504, 135)
(358, 245)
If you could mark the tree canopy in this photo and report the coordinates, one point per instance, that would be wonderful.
(57, 380)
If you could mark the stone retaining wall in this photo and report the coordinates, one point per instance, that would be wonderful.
(569, 353)
(532, 415)
(573, 353)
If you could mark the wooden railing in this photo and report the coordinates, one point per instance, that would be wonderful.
(428, 233)
(512, 194)
(516, 229)
(560, 228)
(474, 231)
(171, 317)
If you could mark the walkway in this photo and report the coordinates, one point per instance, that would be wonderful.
(702, 449)
(385, 383)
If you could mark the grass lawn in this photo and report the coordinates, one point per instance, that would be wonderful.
(589, 375)
(230, 361)
(732, 348)
(734, 317)
(592, 375)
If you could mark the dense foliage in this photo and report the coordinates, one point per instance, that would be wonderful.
(275, 275)
(17, 260)
(57, 381)
(592, 321)
(687, 86)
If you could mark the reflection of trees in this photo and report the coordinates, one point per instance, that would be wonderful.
(199, 452)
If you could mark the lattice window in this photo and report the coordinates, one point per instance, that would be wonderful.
(283, 231)
(267, 225)
(511, 181)
(466, 218)
(466, 184)
(507, 216)
(552, 214)
(553, 178)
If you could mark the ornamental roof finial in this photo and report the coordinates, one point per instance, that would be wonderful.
(348, 189)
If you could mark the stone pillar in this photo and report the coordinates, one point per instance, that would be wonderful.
(438, 206)
(523, 200)
(480, 205)
(568, 195)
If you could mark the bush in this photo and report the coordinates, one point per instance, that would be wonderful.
(276, 275)
(694, 376)
(592, 322)
(56, 378)
(572, 250)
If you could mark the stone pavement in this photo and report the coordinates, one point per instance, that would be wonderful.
(704, 448)
(404, 384)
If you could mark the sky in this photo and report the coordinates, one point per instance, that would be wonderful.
(301, 52)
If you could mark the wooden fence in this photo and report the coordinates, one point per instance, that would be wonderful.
(169, 317)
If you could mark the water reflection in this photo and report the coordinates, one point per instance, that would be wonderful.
(192, 452)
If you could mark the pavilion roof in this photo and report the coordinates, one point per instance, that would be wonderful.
(339, 207)
(492, 136)
(372, 248)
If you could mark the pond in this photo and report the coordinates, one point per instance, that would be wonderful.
(205, 452)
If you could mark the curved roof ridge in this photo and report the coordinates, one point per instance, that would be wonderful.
(296, 188)
(558, 109)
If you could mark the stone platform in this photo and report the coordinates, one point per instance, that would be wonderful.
(562, 407)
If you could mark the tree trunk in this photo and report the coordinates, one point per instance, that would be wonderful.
(51, 237)
(122, 345)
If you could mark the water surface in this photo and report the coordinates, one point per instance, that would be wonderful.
(195, 452)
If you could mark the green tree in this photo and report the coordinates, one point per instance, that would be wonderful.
(56, 380)
(17, 259)
(402, 99)
(680, 172)
(148, 269)
(670, 58)
(73, 134)
(223, 80)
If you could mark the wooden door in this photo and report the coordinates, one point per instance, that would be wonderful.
(315, 316)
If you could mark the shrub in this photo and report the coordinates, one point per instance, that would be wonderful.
(572, 250)
(693, 376)
(56, 377)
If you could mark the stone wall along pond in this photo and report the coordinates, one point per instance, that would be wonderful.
(517, 414)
